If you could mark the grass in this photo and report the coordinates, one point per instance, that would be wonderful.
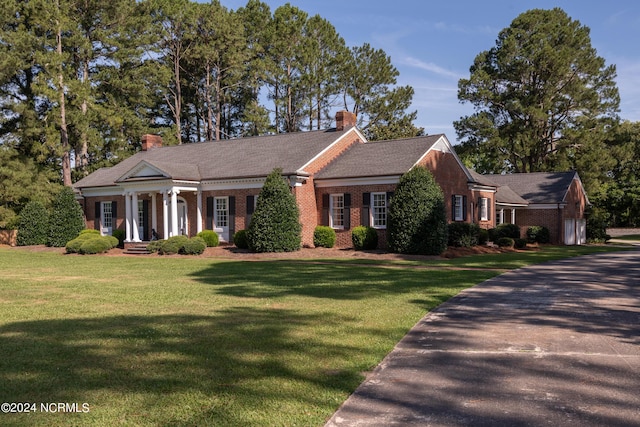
(195, 341)
(629, 237)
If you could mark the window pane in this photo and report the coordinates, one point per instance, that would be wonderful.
(221, 214)
(458, 209)
(107, 215)
(379, 209)
(337, 210)
(484, 209)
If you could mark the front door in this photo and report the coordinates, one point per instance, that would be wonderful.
(221, 217)
(569, 231)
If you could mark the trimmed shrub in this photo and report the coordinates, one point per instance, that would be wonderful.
(520, 243)
(154, 247)
(275, 224)
(172, 245)
(416, 217)
(67, 219)
(324, 236)
(483, 236)
(33, 225)
(240, 239)
(538, 234)
(194, 246)
(463, 234)
(597, 223)
(119, 234)
(504, 230)
(505, 242)
(364, 238)
(89, 231)
(91, 243)
(210, 238)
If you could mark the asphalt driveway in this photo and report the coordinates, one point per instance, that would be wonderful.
(555, 344)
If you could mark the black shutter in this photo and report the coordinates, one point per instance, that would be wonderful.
(250, 204)
(489, 210)
(479, 209)
(464, 208)
(145, 220)
(366, 202)
(389, 196)
(209, 222)
(114, 215)
(453, 207)
(96, 221)
(232, 217)
(347, 211)
(325, 209)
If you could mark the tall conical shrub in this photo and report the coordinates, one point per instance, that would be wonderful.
(67, 219)
(33, 226)
(275, 224)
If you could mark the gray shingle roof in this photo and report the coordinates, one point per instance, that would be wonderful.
(539, 187)
(381, 158)
(233, 158)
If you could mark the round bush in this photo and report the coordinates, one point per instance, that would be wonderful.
(155, 246)
(463, 234)
(240, 239)
(324, 236)
(210, 238)
(33, 225)
(538, 234)
(95, 245)
(505, 242)
(483, 236)
(416, 218)
(119, 234)
(520, 243)
(172, 245)
(194, 246)
(364, 238)
(89, 231)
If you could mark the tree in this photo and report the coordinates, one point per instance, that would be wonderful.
(542, 95)
(416, 220)
(275, 224)
(67, 219)
(368, 78)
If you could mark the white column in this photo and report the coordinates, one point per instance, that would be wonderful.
(174, 213)
(135, 218)
(199, 213)
(501, 216)
(513, 216)
(165, 214)
(127, 217)
(154, 215)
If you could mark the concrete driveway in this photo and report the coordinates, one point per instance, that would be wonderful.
(555, 344)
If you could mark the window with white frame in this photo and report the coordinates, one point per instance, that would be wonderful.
(107, 215)
(379, 210)
(221, 212)
(458, 208)
(336, 209)
(484, 208)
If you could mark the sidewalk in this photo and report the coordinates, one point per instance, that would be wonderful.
(554, 344)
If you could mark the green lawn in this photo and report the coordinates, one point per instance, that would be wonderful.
(195, 341)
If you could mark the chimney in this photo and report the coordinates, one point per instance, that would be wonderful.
(345, 120)
(151, 141)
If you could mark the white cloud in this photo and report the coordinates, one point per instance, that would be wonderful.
(430, 67)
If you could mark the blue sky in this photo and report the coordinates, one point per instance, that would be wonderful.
(433, 43)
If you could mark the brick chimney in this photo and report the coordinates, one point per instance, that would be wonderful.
(345, 120)
(151, 141)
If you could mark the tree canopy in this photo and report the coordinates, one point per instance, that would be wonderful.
(543, 98)
(82, 80)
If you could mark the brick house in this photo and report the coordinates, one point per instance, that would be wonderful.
(338, 178)
(556, 200)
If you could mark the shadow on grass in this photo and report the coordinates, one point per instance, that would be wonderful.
(272, 279)
(238, 362)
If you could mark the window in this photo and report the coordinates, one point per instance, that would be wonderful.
(483, 203)
(336, 210)
(379, 210)
(221, 212)
(458, 208)
(107, 217)
(141, 215)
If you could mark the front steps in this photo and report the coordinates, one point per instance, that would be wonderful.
(136, 249)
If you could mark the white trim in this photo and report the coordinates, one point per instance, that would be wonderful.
(331, 196)
(372, 208)
(142, 166)
(327, 148)
(340, 182)
(546, 206)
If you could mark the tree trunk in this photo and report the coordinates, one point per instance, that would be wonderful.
(64, 134)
